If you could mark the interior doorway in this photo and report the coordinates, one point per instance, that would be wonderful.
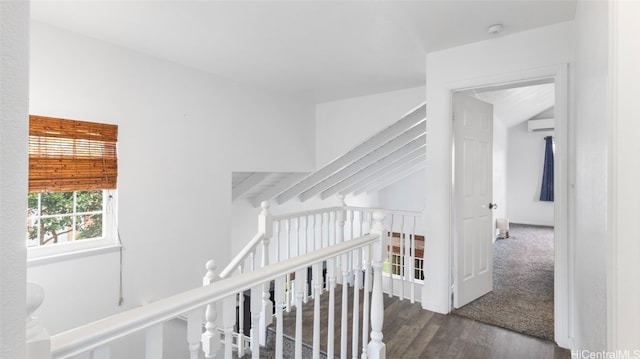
(517, 103)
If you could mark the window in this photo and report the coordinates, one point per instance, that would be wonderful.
(73, 171)
(59, 217)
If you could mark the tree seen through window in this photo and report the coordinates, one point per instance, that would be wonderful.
(56, 217)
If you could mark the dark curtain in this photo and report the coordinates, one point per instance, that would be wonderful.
(546, 192)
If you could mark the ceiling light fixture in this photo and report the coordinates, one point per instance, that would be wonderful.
(494, 29)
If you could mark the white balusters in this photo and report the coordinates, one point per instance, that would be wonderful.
(356, 303)
(376, 348)
(228, 319)
(345, 303)
(240, 319)
(194, 332)
(402, 258)
(317, 285)
(38, 342)
(210, 339)
(279, 288)
(265, 225)
(366, 253)
(390, 256)
(299, 285)
(154, 342)
(331, 274)
(288, 283)
(256, 304)
(412, 269)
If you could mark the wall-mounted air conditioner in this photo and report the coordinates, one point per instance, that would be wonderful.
(545, 124)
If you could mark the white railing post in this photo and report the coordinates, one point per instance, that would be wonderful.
(376, 348)
(194, 332)
(38, 342)
(210, 338)
(279, 290)
(228, 320)
(366, 264)
(343, 264)
(265, 225)
(256, 311)
(154, 338)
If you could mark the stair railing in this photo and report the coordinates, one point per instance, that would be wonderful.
(404, 256)
(285, 236)
(197, 304)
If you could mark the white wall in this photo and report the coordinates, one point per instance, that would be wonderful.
(455, 68)
(14, 92)
(591, 150)
(344, 124)
(524, 171)
(406, 194)
(624, 281)
(181, 132)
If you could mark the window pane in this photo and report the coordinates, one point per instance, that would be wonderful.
(55, 230)
(57, 203)
(88, 201)
(32, 204)
(89, 226)
(32, 232)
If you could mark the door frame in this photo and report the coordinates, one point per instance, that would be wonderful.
(563, 235)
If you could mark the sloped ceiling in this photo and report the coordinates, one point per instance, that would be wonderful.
(513, 106)
(386, 157)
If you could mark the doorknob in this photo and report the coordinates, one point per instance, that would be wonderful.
(493, 206)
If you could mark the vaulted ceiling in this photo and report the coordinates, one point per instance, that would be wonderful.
(315, 50)
(391, 154)
(512, 106)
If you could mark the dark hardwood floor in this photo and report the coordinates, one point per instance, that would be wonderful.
(411, 332)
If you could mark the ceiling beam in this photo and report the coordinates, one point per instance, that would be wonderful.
(278, 188)
(248, 183)
(414, 136)
(410, 120)
(396, 159)
(391, 177)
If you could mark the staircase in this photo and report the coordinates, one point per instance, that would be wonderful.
(344, 249)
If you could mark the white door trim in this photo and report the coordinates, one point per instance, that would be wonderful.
(564, 241)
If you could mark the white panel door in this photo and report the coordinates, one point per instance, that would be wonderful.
(473, 227)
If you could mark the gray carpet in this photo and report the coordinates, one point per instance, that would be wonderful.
(522, 297)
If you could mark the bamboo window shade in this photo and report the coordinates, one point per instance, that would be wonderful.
(69, 155)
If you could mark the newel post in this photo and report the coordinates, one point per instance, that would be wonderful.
(38, 344)
(210, 338)
(376, 348)
(265, 225)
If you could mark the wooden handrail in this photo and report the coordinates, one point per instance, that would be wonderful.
(94, 335)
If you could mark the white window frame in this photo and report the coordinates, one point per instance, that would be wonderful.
(42, 254)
